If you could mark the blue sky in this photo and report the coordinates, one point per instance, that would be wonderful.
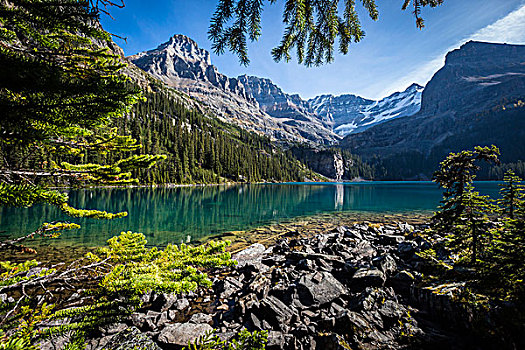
(392, 55)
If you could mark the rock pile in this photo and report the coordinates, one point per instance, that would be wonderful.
(323, 292)
(350, 287)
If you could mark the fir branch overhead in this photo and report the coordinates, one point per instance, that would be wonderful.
(312, 27)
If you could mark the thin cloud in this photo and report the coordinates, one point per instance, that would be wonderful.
(509, 29)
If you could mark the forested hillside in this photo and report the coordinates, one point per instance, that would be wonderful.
(202, 149)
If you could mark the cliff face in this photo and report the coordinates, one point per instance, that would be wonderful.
(475, 99)
(475, 78)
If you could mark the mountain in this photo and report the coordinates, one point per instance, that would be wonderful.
(290, 109)
(477, 98)
(348, 114)
(181, 64)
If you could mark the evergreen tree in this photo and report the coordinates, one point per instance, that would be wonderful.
(456, 172)
(471, 229)
(512, 195)
(504, 272)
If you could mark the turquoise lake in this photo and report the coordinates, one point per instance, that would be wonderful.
(181, 214)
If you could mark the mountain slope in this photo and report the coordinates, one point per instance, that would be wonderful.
(476, 98)
(180, 63)
(348, 114)
(288, 109)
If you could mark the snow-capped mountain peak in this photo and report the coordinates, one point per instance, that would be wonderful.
(348, 114)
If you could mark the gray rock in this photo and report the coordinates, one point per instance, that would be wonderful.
(364, 250)
(114, 328)
(251, 255)
(407, 249)
(404, 276)
(319, 288)
(392, 310)
(129, 339)
(179, 334)
(181, 304)
(405, 228)
(260, 286)
(138, 319)
(275, 312)
(351, 322)
(276, 340)
(227, 287)
(201, 318)
(151, 320)
(367, 277)
(385, 263)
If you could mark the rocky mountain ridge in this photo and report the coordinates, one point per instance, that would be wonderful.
(260, 105)
(181, 64)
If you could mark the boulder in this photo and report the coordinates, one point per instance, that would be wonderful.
(404, 276)
(251, 255)
(367, 277)
(391, 311)
(128, 339)
(275, 340)
(407, 249)
(181, 304)
(277, 313)
(405, 228)
(227, 287)
(201, 318)
(179, 334)
(319, 288)
(385, 263)
(260, 286)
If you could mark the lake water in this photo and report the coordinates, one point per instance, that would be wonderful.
(174, 215)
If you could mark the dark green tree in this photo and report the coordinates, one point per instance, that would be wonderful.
(311, 27)
(512, 195)
(504, 272)
(456, 172)
(470, 234)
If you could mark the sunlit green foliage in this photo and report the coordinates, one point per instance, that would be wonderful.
(512, 195)
(488, 238)
(61, 88)
(137, 269)
(504, 269)
(112, 281)
(471, 229)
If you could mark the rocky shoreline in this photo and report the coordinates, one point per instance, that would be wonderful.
(350, 287)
